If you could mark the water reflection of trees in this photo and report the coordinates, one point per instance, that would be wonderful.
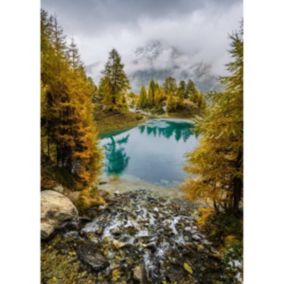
(116, 157)
(177, 129)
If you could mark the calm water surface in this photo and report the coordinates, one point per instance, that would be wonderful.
(153, 152)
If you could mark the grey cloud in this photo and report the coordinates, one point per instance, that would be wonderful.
(197, 28)
(88, 16)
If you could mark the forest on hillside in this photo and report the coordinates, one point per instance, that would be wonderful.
(76, 112)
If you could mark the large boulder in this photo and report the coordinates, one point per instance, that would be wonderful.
(55, 210)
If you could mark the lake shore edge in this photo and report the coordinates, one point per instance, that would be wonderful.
(116, 122)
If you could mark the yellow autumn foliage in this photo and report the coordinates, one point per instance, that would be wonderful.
(217, 164)
(188, 267)
(68, 132)
(204, 214)
(88, 198)
(230, 240)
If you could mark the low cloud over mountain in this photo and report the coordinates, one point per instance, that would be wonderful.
(155, 38)
(157, 60)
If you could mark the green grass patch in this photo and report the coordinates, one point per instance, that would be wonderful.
(110, 122)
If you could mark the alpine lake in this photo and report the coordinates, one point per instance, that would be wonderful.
(140, 235)
(153, 152)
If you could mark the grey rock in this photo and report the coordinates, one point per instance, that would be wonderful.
(55, 210)
(90, 256)
(138, 273)
(196, 237)
(117, 244)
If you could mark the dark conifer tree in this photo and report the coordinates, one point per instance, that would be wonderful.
(142, 101)
(151, 93)
(170, 86)
(116, 80)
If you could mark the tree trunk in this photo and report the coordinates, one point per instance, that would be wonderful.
(48, 147)
(237, 194)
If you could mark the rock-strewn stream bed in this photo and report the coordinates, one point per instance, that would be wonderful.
(138, 237)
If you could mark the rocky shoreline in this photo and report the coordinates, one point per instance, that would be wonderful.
(138, 237)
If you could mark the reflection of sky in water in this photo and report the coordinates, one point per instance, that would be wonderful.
(153, 152)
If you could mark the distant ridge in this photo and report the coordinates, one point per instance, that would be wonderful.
(157, 60)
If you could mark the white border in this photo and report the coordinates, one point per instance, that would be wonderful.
(264, 171)
(264, 143)
(19, 117)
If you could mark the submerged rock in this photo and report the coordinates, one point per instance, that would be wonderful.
(56, 209)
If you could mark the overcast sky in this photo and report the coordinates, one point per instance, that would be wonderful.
(198, 28)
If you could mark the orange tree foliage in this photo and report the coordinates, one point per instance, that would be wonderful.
(217, 164)
(68, 133)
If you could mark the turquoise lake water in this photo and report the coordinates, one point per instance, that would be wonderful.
(152, 152)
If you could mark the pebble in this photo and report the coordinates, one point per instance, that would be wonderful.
(146, 239)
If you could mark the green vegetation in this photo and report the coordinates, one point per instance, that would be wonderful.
(182, 100)
(142, 101)
(114, 84)
(112, 99)
(109, 121)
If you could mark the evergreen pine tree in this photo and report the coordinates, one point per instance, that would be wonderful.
(170, 86)
(117, 81)
(196, 97)
(73, 55)
(181, 93)
(159, 97)
(151, 93)
(142, 101)
(192, 91)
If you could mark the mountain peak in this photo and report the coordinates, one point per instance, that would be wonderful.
(153, 51)
(156, 60)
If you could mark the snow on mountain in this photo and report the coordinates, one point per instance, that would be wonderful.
(157, 60)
